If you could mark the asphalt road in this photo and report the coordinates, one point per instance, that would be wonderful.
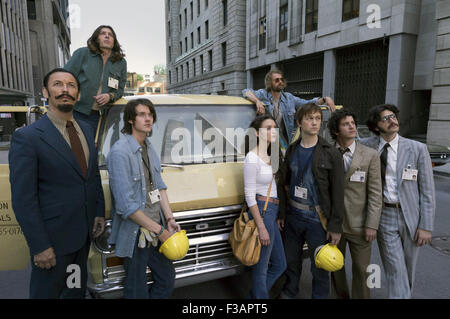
(432, 276)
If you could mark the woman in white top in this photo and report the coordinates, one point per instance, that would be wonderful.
(258, 174)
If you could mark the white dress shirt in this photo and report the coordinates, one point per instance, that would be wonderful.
(390, 192)
(348, 156)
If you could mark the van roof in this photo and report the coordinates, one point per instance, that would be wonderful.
(183, 99)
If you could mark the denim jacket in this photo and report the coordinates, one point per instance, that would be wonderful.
(127, 184)
(87, 67)
(288, 106)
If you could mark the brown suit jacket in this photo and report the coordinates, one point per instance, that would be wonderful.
(363, 201)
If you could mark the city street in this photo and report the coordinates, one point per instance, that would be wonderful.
(432, 277)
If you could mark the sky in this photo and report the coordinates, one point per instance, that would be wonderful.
(139, 25)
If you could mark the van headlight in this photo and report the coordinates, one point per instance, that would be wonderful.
(101, 242)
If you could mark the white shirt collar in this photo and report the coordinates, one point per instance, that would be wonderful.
(393, 144)
(352, 147)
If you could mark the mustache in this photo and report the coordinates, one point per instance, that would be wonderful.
(65, 95)
(392, 125)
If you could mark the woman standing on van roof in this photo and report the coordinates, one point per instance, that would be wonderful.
(260, 169)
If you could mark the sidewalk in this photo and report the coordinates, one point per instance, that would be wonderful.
(443, 170)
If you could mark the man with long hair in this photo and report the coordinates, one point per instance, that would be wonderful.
(102, 71)
(280, 104)
(142, 218)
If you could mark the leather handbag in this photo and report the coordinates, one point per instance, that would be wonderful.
(244, 238)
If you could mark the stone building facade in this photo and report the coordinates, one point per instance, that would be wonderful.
(205, 46)
(361, 53)
(16, 80)
(34, 38)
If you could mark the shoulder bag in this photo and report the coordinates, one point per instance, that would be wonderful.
(244, 237)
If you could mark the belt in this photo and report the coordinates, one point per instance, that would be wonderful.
(264, 198)
(95, 112)
(392, 205)
(297, 205)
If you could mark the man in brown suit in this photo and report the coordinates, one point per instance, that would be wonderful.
(362, 201)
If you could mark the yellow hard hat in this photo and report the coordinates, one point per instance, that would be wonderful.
(329, 257)
(176, 246)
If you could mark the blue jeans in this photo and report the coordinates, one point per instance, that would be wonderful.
(298, 229)
(263, 275)
(163, 274)
(91, 120)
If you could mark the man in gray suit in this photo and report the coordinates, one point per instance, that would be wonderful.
(362, 201)
(407, 217)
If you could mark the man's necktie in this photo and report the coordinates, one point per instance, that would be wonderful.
(77, 149)
(346, 159)
(383, 162)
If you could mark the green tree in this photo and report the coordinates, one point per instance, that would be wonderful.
(139, 77)
(159, 69)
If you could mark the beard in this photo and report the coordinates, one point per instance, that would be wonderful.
(278, 88)
(65, 108)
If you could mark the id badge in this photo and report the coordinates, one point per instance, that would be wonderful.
(301, 192)
(410, 174)
(113, 83)
(358, 176)
(154, 196)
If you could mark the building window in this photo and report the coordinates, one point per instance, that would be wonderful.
(207, 30)
(192, 40)
(149, 89)
(181, 48)
(262, 33)
(194, 66)
(182, 73)
(225, 12)
(210, 59)
(198, 7)
(192, 11)
(185, 17)
(224, 53)
(185, 45)
(202, 67)
(170, 77)
(199, 35)
(168, 27)
(187, 70)
(181, 25)
(283, 21)
(176, 73)
(31, 6)
(350, 9)
(157, 90)
(312, 15)
(170, 53)
(206, 4)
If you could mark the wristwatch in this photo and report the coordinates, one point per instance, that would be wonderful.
(111, 97)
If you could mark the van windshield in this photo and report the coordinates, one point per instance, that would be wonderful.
(186, 134)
